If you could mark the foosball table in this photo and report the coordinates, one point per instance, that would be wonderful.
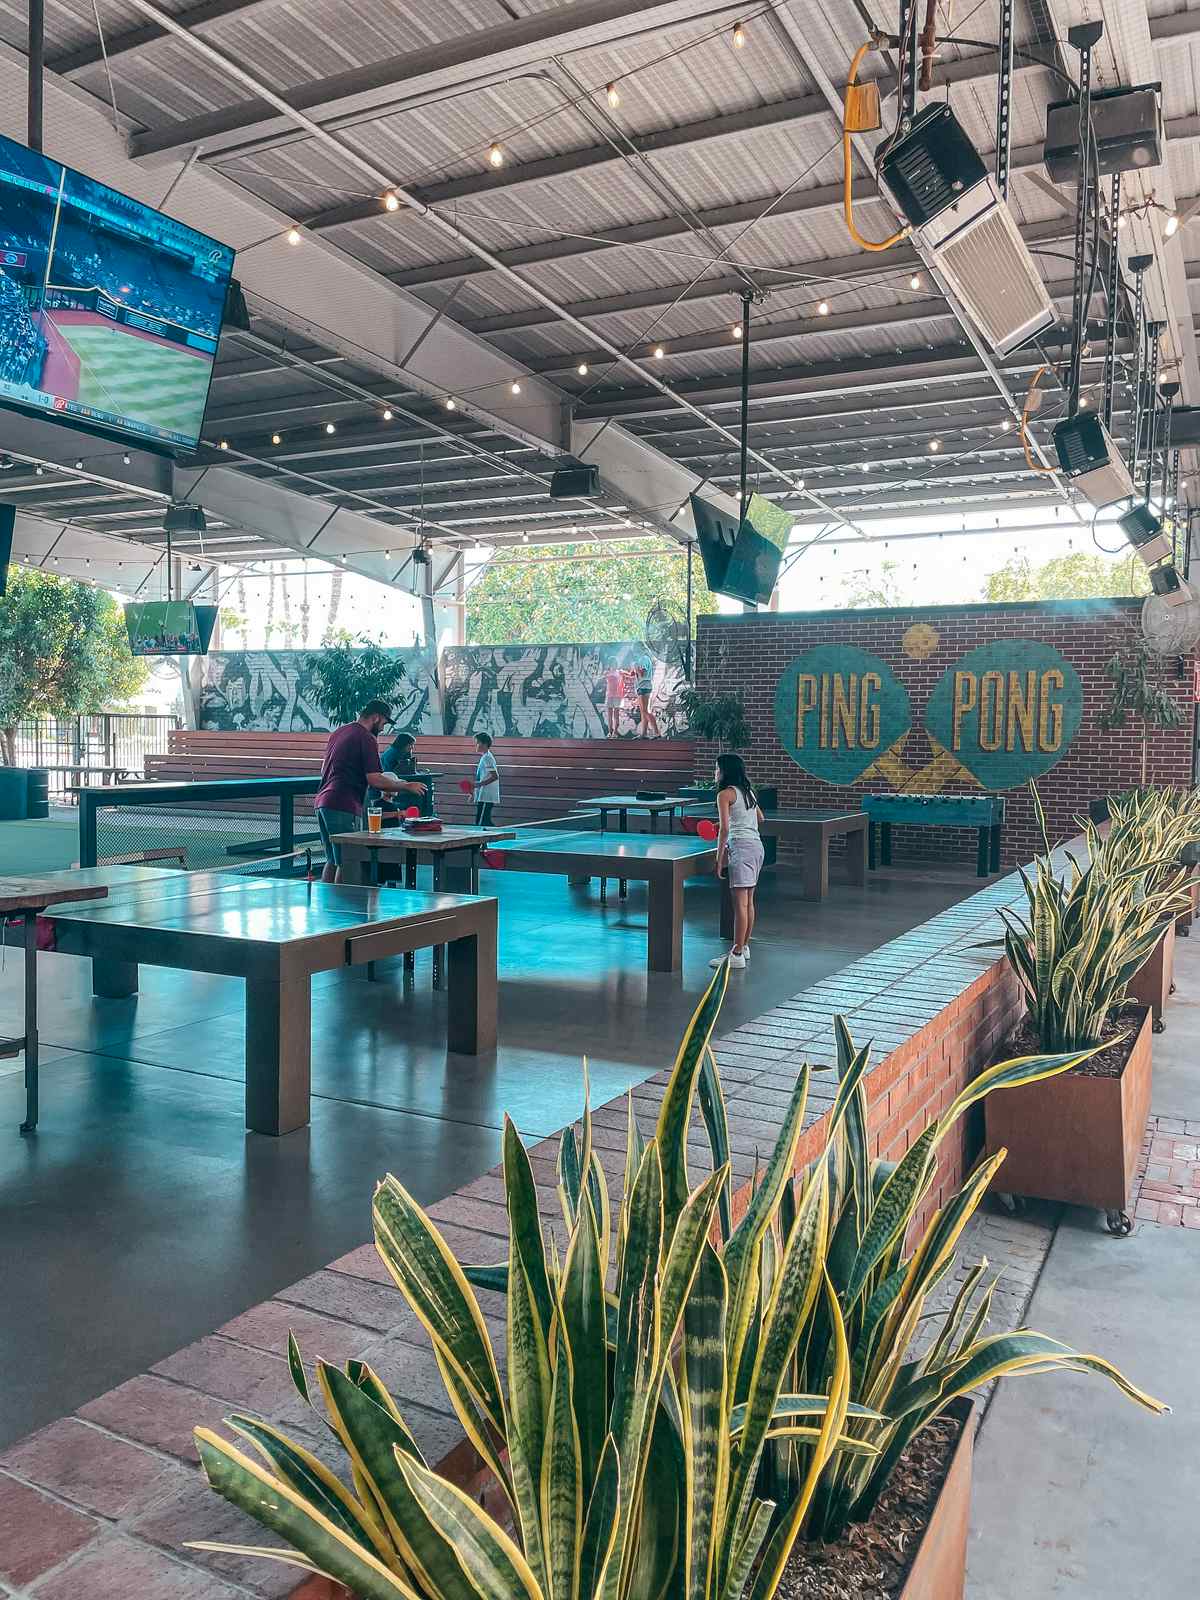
(985, 813)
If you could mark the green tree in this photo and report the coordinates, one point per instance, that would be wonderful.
(875, 588)
(1078, 576)
(543, 601)
(63, 650)
(350, 671)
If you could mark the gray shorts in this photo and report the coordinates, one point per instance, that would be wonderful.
(332, 821)
(744, 862)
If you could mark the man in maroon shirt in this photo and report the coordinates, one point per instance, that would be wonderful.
(350, 768)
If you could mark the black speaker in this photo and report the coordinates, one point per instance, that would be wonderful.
(575, 483)
(8, 519)
(738, 560)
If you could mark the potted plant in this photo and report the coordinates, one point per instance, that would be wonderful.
(1160, 827)
(1136, 691)
(1075, 952)
(740, 1392)
(719, 717)
(349, 671)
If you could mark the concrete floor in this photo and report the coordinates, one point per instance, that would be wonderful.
(142, 1214)
(1078, 1493)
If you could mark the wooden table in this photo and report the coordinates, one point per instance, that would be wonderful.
(29, 898)
(275, 933)
(812, 830)
(663, 864)
(454, 854)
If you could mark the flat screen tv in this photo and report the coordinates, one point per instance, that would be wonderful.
(169, 627)
(742, 559)
(110, 312)
(8, 521)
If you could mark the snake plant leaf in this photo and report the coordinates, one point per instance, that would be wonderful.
(525, 1224)
(312, 1478)
(600, 1525)
(474, 1424)
(794, 1407)
(776, 1555)
(562, 1480)
(287, 1558)
(372, 1439)
(657, 1564)
(948, 1334)
(894, 1209)
(296, 1368)
(716, 1126)
(757, 1526)
(283, 1510)
(683, 1253)
(585, 1320)
(1008, 1075)
(529, 1386)
(493, 1563)
(493, 1278)
(364, 1377)
(675, 1112)
(434, 1285)
(570, 1178)
(704, 1389)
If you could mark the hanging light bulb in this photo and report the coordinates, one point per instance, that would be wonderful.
(659, 352)
(495, 156)
(1171, 225)
(915, 281)
(451, 403)
(736, 330)
(275, 439)
(293, 234)
(935, 445)
(388, 414)
(127, 458)
(1006, 425)
(581, 369)
(739, 35)
(331, 427)
(823, 308)
(514, 387)
(391, 201)
(224, 445)
(1122, 220)
(613, 95)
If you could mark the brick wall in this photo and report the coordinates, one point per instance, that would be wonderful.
(749, 652)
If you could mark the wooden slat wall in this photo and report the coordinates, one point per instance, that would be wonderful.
(540, 778)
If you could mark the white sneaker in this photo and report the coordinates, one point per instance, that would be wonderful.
(736, 962)
(746, 952)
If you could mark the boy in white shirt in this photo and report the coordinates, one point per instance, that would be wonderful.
(487, 781)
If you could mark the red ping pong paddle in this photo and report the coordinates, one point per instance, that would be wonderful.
(493, 858)
(413, 811)
(707, 830)
(689, 824)
(466, 785)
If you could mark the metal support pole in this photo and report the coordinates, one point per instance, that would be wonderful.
(1152, 407)
(1110, 306)
(1004, 97)
(1083, 38)
(1169, 393)
(36, 66)
(688, 664)
(743, 495)
(906, 66)
(1138, 265)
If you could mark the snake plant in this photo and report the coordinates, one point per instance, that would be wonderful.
(684, 1398)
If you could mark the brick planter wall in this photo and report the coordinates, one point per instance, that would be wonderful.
(749, 652)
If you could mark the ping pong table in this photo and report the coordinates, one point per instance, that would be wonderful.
(276, 933)
(812, 829)
(662, 862)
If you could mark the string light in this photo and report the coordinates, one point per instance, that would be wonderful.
(1171, 225)
(331, 427)
(293, 235)
(514, 387)
(614, 95)
(915, 281)
(581, 369)
(79, 464)
(127, 458)
(736, 331)
(275, 439)
(823, 308)
(739, 35)
(391, 201)
(659, 352)
(935, 445)
(1122, 220)
(1006, 425)
(495, 156)
(451, 403)
(224, 445)
(388, 414)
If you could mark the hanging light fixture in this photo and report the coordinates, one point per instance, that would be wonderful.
(451, 403)
(514, 387)
(581, 369)
(1171, 225)
(915, 281)
(331, 427)
(388, 414)
(391, 201)
(659, 352)
(275, 439)
(735, 331)
(613, 95)
(293, 234)
(823, 308)
(739, 36)
(495, 155)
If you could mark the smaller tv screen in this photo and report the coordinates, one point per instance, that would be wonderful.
(742, 559)
(169, 627)
(110, 311)
(8, 521)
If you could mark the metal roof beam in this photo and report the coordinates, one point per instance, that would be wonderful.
(486, 55)
(121, 44)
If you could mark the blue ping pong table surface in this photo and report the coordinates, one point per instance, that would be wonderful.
(609, 846)
(273, 910)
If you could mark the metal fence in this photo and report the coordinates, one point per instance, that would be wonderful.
(102, 747)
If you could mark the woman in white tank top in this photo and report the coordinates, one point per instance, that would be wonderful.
(739, 850)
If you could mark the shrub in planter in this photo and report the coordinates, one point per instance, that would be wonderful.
(736, 1390)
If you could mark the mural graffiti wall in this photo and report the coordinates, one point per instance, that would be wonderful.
(548, 691)
(272, 690)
